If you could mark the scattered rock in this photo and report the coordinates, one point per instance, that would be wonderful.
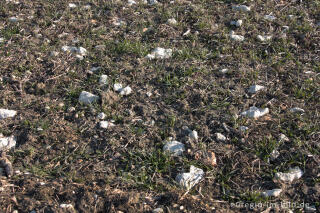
(13, 19)
(243, 128)
(66, 206)
(308, 208)
(81, 51)
(237, 23)
(210, 159)
(172, 21)
(100, 47)
(235, 37)
(293, 174)
(269, 17)
(283, 137)
(151, 2)
(6, 143)
(160, 53)
(118, 22)
(264, 38)
(54, 53)
(220, 137)
(297, 110)
(123, 91)
(241, 8)
(273, 193)
(174, 147)
(6, 164)
(255, 88)
(6, 113)
(255, 112)
(189, 180)
(88, 98)
(158, 210)
(224, 71)
(95, 69)
(103, 80)
(117, 87)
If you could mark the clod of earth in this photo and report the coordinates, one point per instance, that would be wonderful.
(175, 148)
(291, 175)
(7, 113)
(241, 8)
(273, 193)
(255, 112)
(87, 97)
(255, 88)
(190, 179)
(160, 53)
(235, 37)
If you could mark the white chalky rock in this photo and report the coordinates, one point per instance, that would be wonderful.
(13, 19)
(296, 110)
(269, 17)
(224, 71)
(255, 112)
(293, 174)
(72, 5)
(105, 124)
(190, 179)
(220, 137)
(236, 37)
(273, 193)
(7, 113)
(66, 206)
(158, 210)
(160, 53)
(172, 21)
(194, 135)
(274, 154)
(241, 8)
(117, 87)
(101, 116)
(264, 38)
(126, 91)
(103, 80)
(6, 143)
(284, 138)
(151, 2)
(255, 88)
(131, 2)
(174, 147)
(87, 97)
(237, 23)
(82, 51)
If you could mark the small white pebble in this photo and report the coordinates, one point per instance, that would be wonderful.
(1, 40)
(131, 2)
(237, 23)
(103, 80)
(283, 137)
(101, 116)
(255, 88)
(172, 21)
(241, 8)
(269, 17)
(243, 128)
(297, 110)
(273, 193)
(194, 135)
(224, 71)
(104, 124)
(72, 5)
(291, 175)
(274, 154)
(235, 37)
(13, 19)
(126, 91)
(87, 7)
(220, 137)
(264, 38)
(149, 94)
(117, 87)
(64, 206)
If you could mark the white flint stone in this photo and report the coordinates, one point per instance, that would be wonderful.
(283, 137)
(172, 21)
(87, 97)
(236, 37)
(7, 113)
(82, 51)
(237, 23)
(293, 174)
(296, 110)
(66, 206)
(174, 147)
(255, 88)
(308, 208)
(105, 124)
(220, 137)
(158, 210)
(274, 154)
(264, 38)
(190, 179)
(224, 71)
(117, 87)
(270, 17)
(241, 8)
(131, 2)
(255, 112)
(103, 80)
(160, 53)
(126, 91)
(194, 135)
(72, 5)
(101, 116)
(273, 193)
(6, 143)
